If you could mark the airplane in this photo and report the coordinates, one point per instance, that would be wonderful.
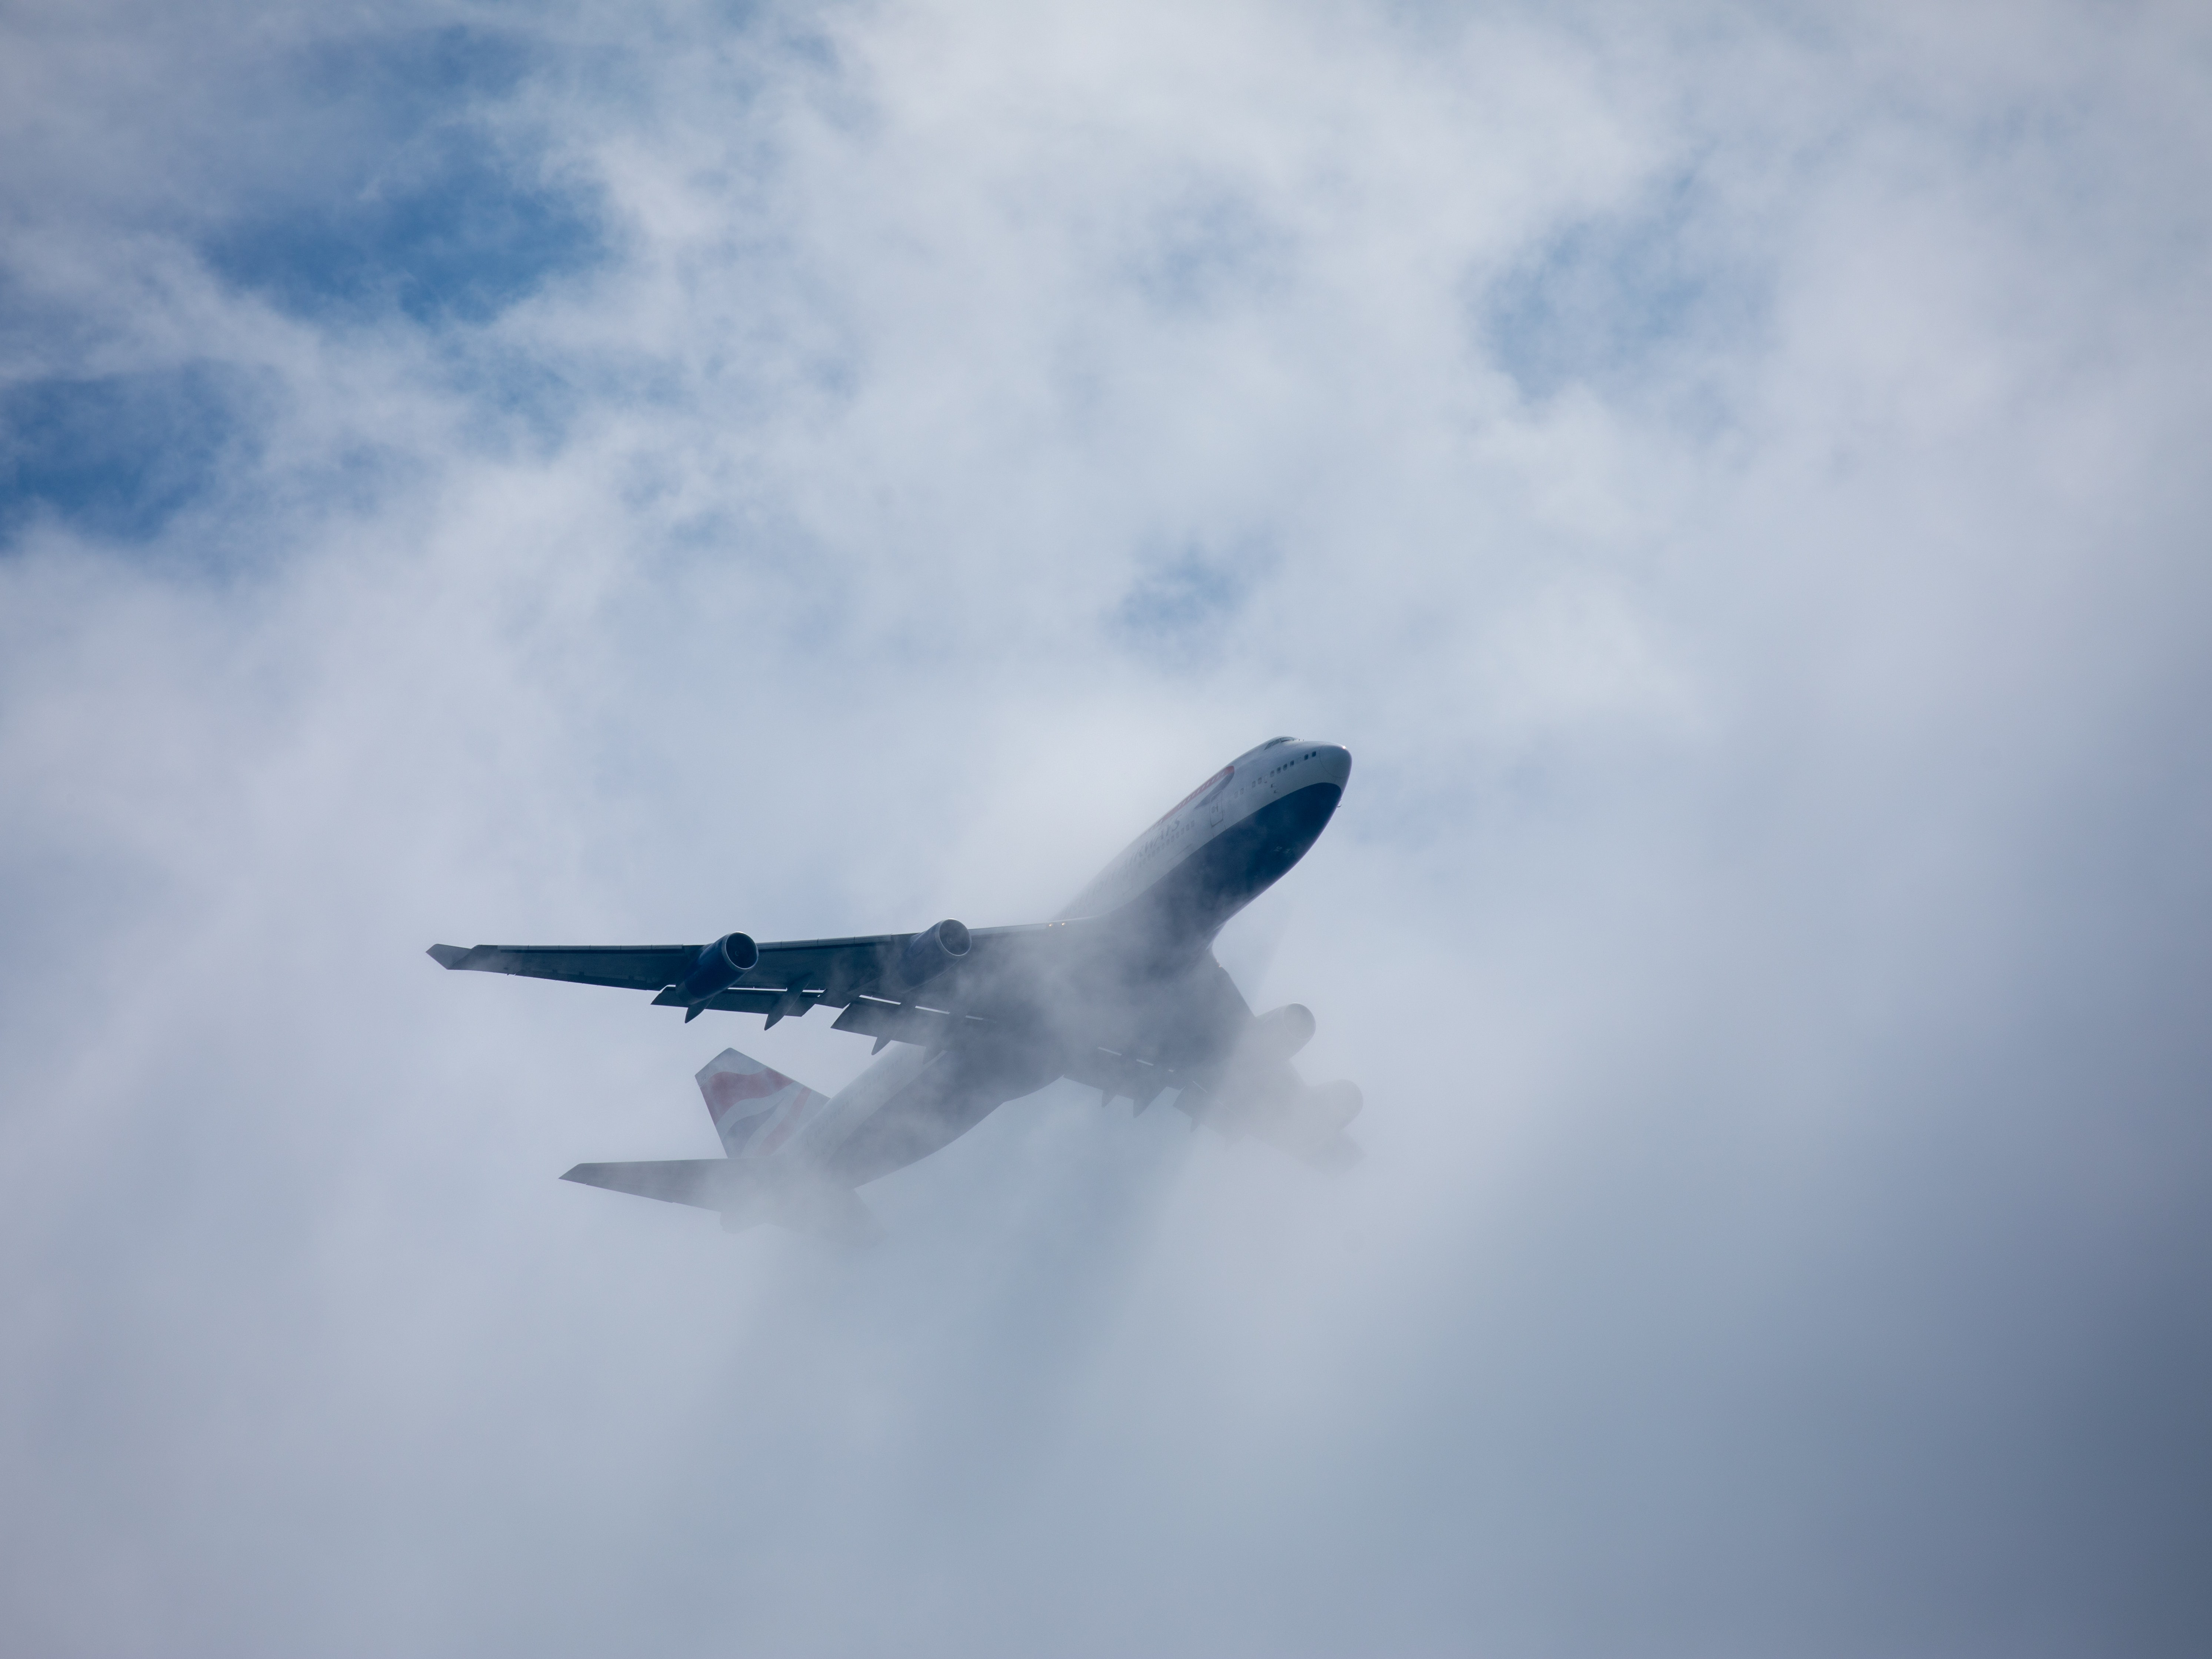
(1120, 992)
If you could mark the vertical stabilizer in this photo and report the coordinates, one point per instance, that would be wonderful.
(756, 1108)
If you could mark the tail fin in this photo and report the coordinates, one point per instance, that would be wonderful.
(755, 1108)
(706, 1184)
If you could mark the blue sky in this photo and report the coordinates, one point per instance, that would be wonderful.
(1732, 479)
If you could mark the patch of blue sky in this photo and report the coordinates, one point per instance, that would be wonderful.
(1181, 607)
(1210, 251)
(417, 70)
(352, 480)
(516, 402)
(1613, 300)
(41, 331)
(405, 193)
(118, 456)
(459, 237)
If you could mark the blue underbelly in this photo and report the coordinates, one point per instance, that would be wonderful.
(1187, 905)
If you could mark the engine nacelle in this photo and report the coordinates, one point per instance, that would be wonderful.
(1306, 1122)
(1330, 1106)
(721, 965)
(928, 954)
(1281, 1032)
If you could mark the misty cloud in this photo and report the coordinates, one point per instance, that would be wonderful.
(621, 475)
(1619, 300)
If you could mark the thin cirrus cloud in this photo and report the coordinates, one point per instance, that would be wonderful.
(620, 476)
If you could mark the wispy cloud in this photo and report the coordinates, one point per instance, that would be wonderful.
(623, 474)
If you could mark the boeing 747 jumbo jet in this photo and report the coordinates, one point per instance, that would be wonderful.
(1120, 992)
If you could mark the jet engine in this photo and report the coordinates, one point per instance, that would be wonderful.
(928, 954)
(721, 965)
(1281, 1032)
(1333, 1104)
(1307, 1121)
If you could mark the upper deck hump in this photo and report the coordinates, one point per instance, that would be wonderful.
(1227, 841)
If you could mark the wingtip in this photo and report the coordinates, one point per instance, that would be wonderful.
(446, 955)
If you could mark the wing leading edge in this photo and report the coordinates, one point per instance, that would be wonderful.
(629, 967)
(789, 978)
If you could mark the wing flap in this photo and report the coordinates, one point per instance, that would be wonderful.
(738, 1190)
(1111, 1073)
(905, 1022)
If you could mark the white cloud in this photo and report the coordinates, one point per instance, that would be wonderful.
(1766, 919)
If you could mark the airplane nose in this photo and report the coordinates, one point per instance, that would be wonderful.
(1333, 764)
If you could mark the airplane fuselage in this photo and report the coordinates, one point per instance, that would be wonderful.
(1142, 984)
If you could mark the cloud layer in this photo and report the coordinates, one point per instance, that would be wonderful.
(1734, 481)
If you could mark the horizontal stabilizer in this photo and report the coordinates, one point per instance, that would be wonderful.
(742, 1190)
(706, 1183)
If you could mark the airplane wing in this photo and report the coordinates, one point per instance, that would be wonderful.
(636, 967)
(789, 978)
